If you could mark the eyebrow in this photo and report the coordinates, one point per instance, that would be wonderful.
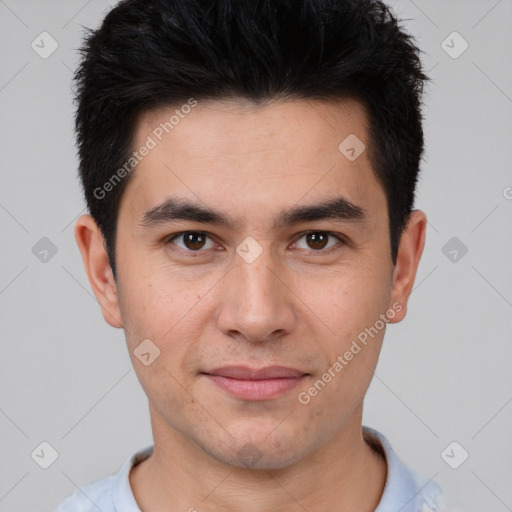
(174, 208)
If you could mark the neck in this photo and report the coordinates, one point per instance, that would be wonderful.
(344, 474)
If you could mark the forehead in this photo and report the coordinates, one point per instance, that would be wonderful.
(224, 126)
(238, 154)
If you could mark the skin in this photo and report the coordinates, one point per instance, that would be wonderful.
(296, 305)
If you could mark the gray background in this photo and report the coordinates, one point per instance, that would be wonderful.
(444, 373)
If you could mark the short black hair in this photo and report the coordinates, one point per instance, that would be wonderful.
(152, 53)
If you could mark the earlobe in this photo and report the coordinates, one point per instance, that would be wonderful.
(410, 250)
(92, 247)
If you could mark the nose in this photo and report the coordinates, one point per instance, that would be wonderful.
(257, 301)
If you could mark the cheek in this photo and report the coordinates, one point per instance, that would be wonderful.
(352, 310)
(162, 311)
(172, 313)
(340, 387)
(154, 300)
(349, 301)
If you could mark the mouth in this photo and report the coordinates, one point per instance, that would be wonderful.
(256, 384)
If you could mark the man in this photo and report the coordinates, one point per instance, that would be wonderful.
(249, 169)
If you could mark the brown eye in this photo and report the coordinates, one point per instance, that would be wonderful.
(317, 240)
(192, 241)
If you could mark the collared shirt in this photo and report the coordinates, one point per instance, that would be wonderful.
(404, 490)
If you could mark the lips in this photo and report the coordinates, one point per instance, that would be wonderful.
(255, 384)
(245, 373)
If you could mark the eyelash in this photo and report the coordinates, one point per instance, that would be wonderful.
(169, 239)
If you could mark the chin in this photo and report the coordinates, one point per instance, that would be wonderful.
(252, 458)
(251, 451)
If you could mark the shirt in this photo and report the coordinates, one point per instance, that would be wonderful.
(404, 490)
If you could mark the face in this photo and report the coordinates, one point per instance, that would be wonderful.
(248, 239)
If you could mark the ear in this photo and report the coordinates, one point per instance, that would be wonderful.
(410, 249)
(94, 254)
